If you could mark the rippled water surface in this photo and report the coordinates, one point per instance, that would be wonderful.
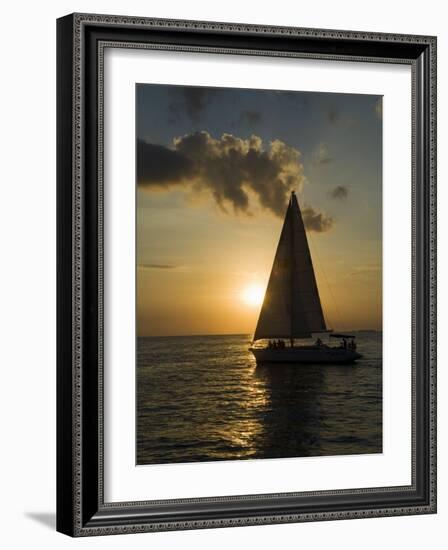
(202, 398)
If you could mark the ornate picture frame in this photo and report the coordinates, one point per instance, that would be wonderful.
(81, 506)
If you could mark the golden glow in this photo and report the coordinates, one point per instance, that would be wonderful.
(253, 295)
(206, 273)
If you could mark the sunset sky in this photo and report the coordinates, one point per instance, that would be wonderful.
(215, 168)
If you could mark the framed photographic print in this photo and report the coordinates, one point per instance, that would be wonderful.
(246, 275)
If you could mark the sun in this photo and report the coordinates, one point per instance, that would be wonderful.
(253, 295)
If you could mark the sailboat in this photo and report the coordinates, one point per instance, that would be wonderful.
(291, 307)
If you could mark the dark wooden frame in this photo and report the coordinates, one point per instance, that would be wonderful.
(81, 510)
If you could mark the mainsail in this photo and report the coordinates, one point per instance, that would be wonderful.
(291, 306)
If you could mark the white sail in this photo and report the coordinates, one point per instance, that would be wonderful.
(291, 306)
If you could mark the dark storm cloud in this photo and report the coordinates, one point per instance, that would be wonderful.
(230, 168)
(339, 192)
(316, 221)
(191, 101)
(158, 165)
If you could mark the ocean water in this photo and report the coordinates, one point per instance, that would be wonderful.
(204, 398)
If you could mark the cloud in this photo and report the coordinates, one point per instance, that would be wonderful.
(316, 221)
(158, 165)
(191, 101)
(379, 108)
(333, 115)
(322, 155)
(366, 271)
(229, 167)
(339, 192)
(157, 266)
(341, 119)
(251, 117)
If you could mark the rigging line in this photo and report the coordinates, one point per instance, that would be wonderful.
(338, 315)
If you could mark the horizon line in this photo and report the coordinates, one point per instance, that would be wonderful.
(240, 334)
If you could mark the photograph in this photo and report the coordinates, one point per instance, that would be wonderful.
(258, 274)
(246, 273)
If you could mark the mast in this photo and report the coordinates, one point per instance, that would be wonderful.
(291, 259)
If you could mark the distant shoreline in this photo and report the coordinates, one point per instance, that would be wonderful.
(249, 335)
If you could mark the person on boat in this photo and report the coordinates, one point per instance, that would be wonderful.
(318, 342)
(344, 343)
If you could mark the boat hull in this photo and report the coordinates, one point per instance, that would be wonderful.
(306, 355)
